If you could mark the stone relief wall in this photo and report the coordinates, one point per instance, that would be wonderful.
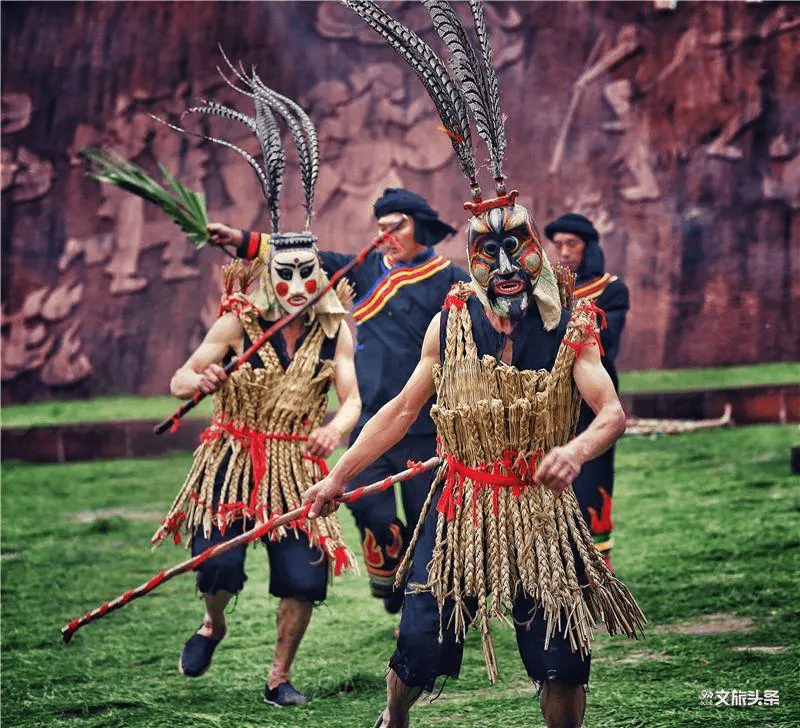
(673, 126)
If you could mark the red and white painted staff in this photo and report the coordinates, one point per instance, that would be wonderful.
(173, 422)
(247, 537)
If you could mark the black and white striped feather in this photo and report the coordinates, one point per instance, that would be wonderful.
(431, 70)
(475, 74)
(274, 158)
(304, 134)
(269, 185)
(300, 127)
(492, 86)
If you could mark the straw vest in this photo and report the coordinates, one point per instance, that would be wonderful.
(499, 533)
(262, 416)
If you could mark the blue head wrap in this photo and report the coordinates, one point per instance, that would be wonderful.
(593, 262)
(428, 228)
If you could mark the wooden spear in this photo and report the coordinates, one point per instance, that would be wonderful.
(241, 540)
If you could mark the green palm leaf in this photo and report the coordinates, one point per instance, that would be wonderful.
(187, 209)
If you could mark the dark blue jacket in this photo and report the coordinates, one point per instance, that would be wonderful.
(610, 295)
(392, 310)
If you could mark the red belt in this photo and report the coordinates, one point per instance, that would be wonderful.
(255, 441)
(511, 470)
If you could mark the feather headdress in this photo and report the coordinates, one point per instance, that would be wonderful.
(269, 105)
(468, 89)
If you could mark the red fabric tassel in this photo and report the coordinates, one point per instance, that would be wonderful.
(453, 491)
(340, 560)
(453, 302)
(457, 138)
(417, 467)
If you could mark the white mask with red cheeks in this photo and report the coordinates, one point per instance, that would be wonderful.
(295, 277)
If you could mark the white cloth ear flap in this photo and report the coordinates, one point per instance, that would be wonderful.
(547, 296)
(329, 309)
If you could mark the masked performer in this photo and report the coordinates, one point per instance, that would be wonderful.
(267, 442)
(576, 243)
(501, 533)
(397, 293)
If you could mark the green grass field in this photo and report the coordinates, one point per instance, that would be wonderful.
(706, 537)
(159, 408)
(681, 380)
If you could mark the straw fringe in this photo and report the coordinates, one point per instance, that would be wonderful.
(496, 542)
(259, 416)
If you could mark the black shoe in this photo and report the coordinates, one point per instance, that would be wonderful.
(196, 655)
(394, 603)
(283, 695)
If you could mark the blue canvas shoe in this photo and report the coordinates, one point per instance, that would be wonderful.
(283, 695)
(196, 654)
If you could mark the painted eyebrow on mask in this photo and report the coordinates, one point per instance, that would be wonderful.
(291, 264)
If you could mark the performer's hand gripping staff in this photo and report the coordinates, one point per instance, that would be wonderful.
(173, 422)
(247, 537)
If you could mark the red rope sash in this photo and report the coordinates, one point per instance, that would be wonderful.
(511, 470)
(254, 441)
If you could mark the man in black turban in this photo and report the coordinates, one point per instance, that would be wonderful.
(428, 228)
(396, 294)
(577, 246)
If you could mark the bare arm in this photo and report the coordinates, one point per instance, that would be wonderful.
(323, 440)
(202, 371)
(386, 427)
(562, 464)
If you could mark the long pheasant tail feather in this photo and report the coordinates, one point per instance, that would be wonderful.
(211, 107)
(310, 170)
(268, 135)
(498, 147)
(311, 149)
(274, 158)
(430, 69)
(423, 61)
(467, 65)
(303, 132)
(297, 132)
(220, 110)
(300, 127)
(239, 73)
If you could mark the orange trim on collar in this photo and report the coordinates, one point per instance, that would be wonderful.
(593, 288)
(393, 282)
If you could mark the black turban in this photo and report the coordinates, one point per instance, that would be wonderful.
(593, 263)
(428, 228)
(575, 224)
